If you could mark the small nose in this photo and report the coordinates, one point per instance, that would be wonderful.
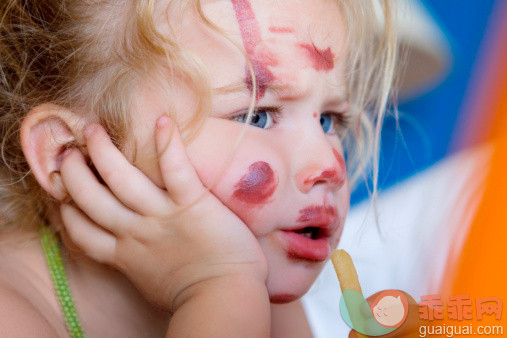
(332, 172)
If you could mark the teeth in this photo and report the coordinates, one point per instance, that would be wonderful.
(306, 234)
(309, 232)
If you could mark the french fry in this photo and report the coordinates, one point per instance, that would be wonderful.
(347, 276)
(345, 270)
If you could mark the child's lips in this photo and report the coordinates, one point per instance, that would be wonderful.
(312, 239)
(318, 214)
(301, 247)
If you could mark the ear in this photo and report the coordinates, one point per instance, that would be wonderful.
(45, 133)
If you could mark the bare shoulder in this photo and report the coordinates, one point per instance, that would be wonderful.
(28, 307)
(20, 318)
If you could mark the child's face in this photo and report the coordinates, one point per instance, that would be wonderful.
(287, 173)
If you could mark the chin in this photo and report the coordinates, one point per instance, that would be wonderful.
(284, 289)
(289, 279)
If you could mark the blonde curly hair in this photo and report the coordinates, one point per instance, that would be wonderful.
(86, 55)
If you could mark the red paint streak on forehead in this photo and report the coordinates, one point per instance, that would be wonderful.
(275, 29)
(251, 35)
(321, 59)
(258, 185)
(250, 31)
(263, 76)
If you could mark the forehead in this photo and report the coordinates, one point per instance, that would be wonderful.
(314, 15)
(284, 39)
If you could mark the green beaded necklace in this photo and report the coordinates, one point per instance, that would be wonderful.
(57, 271)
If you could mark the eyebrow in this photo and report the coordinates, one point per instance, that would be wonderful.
(283, 91)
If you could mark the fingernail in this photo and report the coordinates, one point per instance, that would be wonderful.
(162, 121)
(89, 130)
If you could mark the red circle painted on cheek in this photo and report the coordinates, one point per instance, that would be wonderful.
(258, 185)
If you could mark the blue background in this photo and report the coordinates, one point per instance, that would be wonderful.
(427, 124)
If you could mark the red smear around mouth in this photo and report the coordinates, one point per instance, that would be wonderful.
(251, 35)
(321, 59)
(275, 29)
(258, 185)
(315, 212)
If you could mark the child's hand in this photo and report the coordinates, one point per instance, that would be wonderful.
(138, 228)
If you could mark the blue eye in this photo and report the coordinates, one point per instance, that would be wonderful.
(334, 122)
(261, 118)
(327, 122)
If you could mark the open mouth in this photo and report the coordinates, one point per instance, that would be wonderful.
(311, 232)
(312, 238)
(309, 243)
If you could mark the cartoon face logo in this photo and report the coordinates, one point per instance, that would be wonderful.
(386, 313)
(390, 308)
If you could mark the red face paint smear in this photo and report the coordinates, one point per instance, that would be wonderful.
(282, 298)
(274, 29)
(251, 35)
(329, 175)
(250, 31)
(258, 185)
(315, 115)
(342, 167)
(321, 59)
(317, 213)
(339, 158)
(263, 76)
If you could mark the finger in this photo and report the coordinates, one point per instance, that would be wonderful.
(128, 183)
(96, 242)
(181, 180)
(95, 199)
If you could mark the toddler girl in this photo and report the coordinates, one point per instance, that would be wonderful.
(177, 167)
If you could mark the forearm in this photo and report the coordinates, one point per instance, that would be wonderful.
(232, 307)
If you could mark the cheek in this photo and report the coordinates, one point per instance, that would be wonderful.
(248, 191)
(248, 182)
(246, 186)
(244, 175)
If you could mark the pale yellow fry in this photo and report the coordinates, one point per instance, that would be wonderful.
(347, 276)
(345, 270)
